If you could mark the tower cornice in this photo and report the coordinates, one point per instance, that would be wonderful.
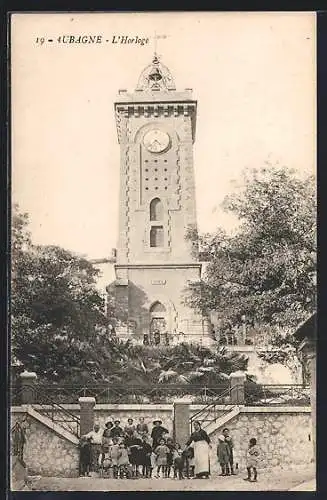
(157, 108)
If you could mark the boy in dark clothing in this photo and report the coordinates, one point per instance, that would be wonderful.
(223, 455)
(229, 441)
(179, 458)
(134, 445)
(146, 457)
(189, 461)
(170, 462)
(85, 457)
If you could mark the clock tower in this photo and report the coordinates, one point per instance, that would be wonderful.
(155, 261)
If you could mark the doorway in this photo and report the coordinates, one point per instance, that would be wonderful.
(158, 323)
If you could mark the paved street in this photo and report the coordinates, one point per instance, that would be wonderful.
(273, 480)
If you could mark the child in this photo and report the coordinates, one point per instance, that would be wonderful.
(85, 457)
(106, 438)
(189, 462)
(106, 448)
(252, 458)
(123, 462)
(229, 441)
(136, 453)
(114, 452)
(153, 460)
(146, 457)
(161, 452)
(223, 454)
(106, 462)
(170, 445)
(178, 461)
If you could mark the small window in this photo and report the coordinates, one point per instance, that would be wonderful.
(156, 236)
(156, 209)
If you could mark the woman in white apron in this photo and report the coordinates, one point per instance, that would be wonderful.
(200, 442)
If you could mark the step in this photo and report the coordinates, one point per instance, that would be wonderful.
(58, 429)
(213, 426)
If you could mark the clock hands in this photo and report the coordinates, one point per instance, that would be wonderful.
(156, 141)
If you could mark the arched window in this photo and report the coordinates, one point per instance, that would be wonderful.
(156, 209)
(156, 236)
(157, 307)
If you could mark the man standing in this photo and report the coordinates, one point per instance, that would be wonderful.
(116, 431)
(229, 441)
(96, 445)
(157, 433)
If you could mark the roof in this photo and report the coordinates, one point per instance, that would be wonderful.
(307, 329)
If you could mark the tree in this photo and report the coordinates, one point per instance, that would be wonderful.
(55, 306)
(266, 270)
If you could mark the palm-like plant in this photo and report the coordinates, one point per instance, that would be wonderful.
(119, 363)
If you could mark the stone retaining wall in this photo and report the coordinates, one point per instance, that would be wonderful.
(284, 437)
(45, 452)
(283, 434)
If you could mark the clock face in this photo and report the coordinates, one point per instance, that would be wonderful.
(156, 141)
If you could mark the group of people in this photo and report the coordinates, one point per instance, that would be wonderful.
(133, 452)
(129, 451)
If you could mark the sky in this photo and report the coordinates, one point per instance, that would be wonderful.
(253, 75)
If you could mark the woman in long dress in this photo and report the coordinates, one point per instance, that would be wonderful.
(200, 442)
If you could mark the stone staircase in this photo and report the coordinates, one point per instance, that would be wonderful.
(55, 412)
(51, 424)
(218, 413)
(222, 421)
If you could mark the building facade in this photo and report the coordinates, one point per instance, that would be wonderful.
(155, 261)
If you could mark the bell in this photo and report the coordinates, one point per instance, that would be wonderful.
(155, 75)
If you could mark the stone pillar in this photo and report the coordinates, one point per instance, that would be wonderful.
(237, 393)
(28, 380)
(181, 421)
(86, 414)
